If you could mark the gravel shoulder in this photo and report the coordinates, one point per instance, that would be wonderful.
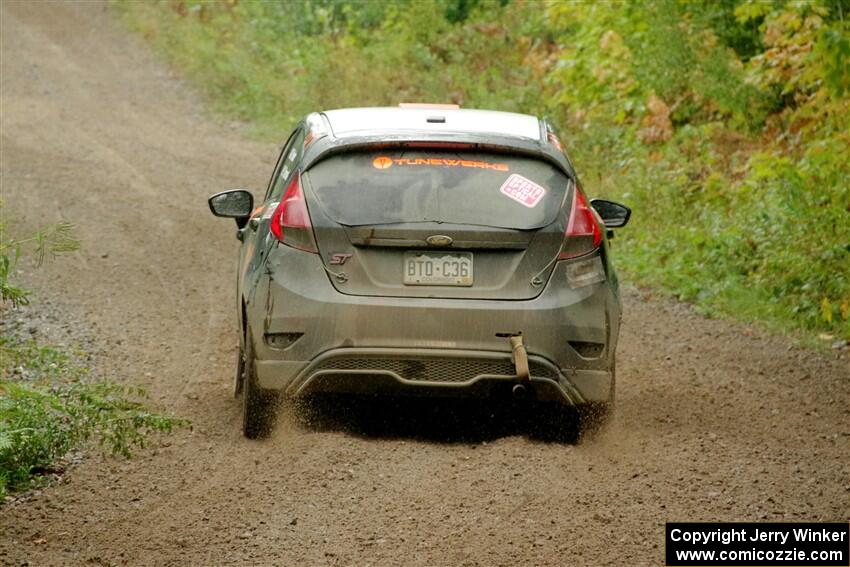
(715, 420)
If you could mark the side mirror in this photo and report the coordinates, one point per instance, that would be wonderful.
(236, 204)
(614, 215)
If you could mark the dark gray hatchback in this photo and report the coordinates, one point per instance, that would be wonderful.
(424, 251)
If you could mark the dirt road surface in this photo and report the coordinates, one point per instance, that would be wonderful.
(716, 421)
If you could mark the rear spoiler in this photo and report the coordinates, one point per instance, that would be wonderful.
(328, 146)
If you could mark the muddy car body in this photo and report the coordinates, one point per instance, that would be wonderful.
(424, 251)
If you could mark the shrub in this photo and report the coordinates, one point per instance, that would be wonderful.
(40, 422)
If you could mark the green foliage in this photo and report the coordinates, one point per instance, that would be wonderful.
(51, 240)
(724, 123)
(40, 422)
(833, 50)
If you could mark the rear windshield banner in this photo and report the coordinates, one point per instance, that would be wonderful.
(383, 162)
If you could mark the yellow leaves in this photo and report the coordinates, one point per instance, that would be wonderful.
(708, 40)
(540, 57)
(751, 10)
(826, 309)
(772, 34)
(610, 40)
(657, 107)
(562, 14)
(490, 29)
(715, 185)
(602, 73)
(657, 126)
(793, 22)
(814, 22)
(791, 34)
(766, 165)
(621, 116)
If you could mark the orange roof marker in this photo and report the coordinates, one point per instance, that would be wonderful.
(428, 105)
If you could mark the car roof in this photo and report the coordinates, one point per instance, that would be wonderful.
(352, 122)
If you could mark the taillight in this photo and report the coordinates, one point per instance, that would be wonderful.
(583, 234)
(290, 222)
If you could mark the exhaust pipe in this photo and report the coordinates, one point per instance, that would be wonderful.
(519, 391)
(519, 356)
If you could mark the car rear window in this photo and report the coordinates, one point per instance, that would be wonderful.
(488, 189)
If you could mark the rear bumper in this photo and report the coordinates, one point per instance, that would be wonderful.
(428, 346)
(436, 372)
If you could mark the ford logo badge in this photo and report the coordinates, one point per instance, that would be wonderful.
(439, 240)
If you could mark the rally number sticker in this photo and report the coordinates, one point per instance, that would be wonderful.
(524, 191)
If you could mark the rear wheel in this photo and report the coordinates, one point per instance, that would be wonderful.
(258, 405)
(239, 377)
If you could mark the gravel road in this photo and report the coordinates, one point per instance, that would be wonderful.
(715, 420)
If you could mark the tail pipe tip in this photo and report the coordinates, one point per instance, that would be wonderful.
(519, 391)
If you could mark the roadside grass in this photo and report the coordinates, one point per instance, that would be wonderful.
(725, 126)
(49, 404)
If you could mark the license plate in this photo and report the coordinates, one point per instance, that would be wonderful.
(438, 268)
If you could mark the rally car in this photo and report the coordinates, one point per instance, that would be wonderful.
(426, 251)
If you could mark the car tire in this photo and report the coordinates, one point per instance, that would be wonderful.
(258, 405)
(239, 376)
